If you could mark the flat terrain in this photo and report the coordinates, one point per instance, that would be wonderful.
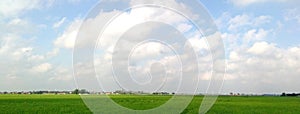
(73, 104)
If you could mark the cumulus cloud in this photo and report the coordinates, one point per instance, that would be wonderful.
(21, 60)
(42, 68)
(67, 39)
(15, 51)
(144, 57)
(61, 74)
(256, 35)
(20, 64)
(263, 67)
(198, 44)
(243, 29)
(17, 26)
(150, 50)
(184, 27)
(261, 48)
(241, 21)
(255, 65)
(115, 29)
(12, 8)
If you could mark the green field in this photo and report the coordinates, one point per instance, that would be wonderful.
(73, 104)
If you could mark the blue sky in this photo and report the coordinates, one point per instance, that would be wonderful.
(261, 39)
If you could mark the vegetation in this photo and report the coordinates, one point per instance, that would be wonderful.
(41, 104)
(141, 102)
(74, 104)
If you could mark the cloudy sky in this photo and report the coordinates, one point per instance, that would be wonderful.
(261, 42)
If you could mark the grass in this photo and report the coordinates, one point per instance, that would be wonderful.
(258, 105)
(40, 104)
(140, 102)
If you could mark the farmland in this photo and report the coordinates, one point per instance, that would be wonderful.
(74, 104)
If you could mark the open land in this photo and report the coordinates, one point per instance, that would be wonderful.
(74, 104)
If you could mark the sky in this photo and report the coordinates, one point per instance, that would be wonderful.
(261, 44)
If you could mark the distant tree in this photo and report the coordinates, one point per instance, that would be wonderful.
(293, 94)
(83, 91)
(76, 91)
(283, 94)
(155, 93)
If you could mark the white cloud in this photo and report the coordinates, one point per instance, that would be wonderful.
(17, 21)
(53, 53)
(15, 51)
(148, 50)
(19, 53)
(244, 21)
(263, 67)
(253, 66)
(184, 27)
(42, 68)
(59, 23)
(61, 74)
(36, 58)
(13, 8)
(90, 28)
(261, 48)
(17, 26)
(125, 21)
(170, 4)
(244, 29)
(254, 35)
(198, 43)
(292, 14)
(19, 58)
(67, 39)
(116, 28)
(239, 21)
(22, 57)
(263, 19)
(234, 56)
